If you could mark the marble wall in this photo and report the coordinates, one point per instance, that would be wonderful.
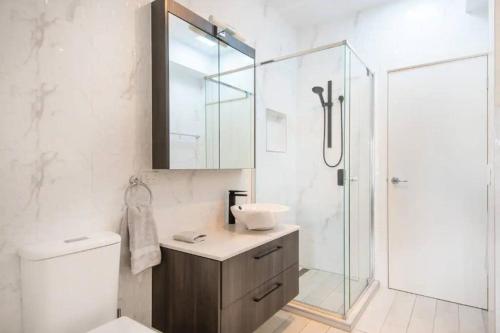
(394, 35)
(75, 124)
(320, 202)
(276, 176)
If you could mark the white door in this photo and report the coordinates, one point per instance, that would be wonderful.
(437, 148)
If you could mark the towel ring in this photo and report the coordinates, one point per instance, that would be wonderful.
(133, 182)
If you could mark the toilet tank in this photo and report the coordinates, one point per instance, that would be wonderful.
(70, 285)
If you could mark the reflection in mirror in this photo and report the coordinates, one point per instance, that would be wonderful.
(193, 110)
(211, 101)
(236, 109)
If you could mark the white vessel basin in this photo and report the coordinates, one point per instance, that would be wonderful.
(259, 216)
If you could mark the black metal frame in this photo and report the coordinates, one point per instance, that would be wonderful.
(329, 106)
(160, 72)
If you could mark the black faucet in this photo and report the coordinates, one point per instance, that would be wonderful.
(232, 201)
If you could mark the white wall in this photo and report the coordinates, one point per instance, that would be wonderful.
(75, 123)
(394, 35)
(276, 88)
(494, 65)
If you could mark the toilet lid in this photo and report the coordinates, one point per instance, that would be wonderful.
(122, 325)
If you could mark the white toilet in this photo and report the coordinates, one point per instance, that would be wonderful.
(72, 286)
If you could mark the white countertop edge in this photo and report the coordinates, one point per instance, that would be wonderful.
(215, 246)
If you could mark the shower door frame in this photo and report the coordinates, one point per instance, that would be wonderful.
(348, 318)
(371, 177)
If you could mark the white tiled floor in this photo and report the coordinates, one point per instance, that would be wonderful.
(393, 311)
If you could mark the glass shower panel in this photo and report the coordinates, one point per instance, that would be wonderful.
(346, 179)
(328, 187)
(299, 176)
(359, 189)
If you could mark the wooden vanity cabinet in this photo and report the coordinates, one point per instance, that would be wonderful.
(193, 294)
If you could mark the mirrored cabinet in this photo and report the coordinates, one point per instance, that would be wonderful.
(203, 93)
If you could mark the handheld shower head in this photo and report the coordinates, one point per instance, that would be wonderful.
(319, 92)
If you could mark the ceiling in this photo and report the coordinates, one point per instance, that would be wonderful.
(306, 12)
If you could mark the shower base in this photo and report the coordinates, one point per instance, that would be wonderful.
(321, 299)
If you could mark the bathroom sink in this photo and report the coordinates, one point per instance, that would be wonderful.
(259, 216)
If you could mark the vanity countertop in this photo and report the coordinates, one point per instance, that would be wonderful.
(227, 241)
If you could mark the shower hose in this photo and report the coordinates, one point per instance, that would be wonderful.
(341, 101)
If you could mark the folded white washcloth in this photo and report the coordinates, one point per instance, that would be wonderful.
(190, 236)
(142, 236)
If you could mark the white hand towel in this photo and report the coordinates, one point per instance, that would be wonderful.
(190, 236)
(142, 238)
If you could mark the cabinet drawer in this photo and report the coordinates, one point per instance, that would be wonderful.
(262, 303)
(248, 270)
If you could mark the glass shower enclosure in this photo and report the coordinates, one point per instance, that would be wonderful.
(294, 159)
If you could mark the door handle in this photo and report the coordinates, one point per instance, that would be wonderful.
(396, 180)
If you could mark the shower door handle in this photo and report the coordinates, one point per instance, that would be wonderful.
(396, 180)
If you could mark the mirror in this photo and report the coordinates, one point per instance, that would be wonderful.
(236, 106)
(193, 56)
(210, 101)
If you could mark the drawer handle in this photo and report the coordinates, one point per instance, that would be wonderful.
(262, 255)
(260, 298)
